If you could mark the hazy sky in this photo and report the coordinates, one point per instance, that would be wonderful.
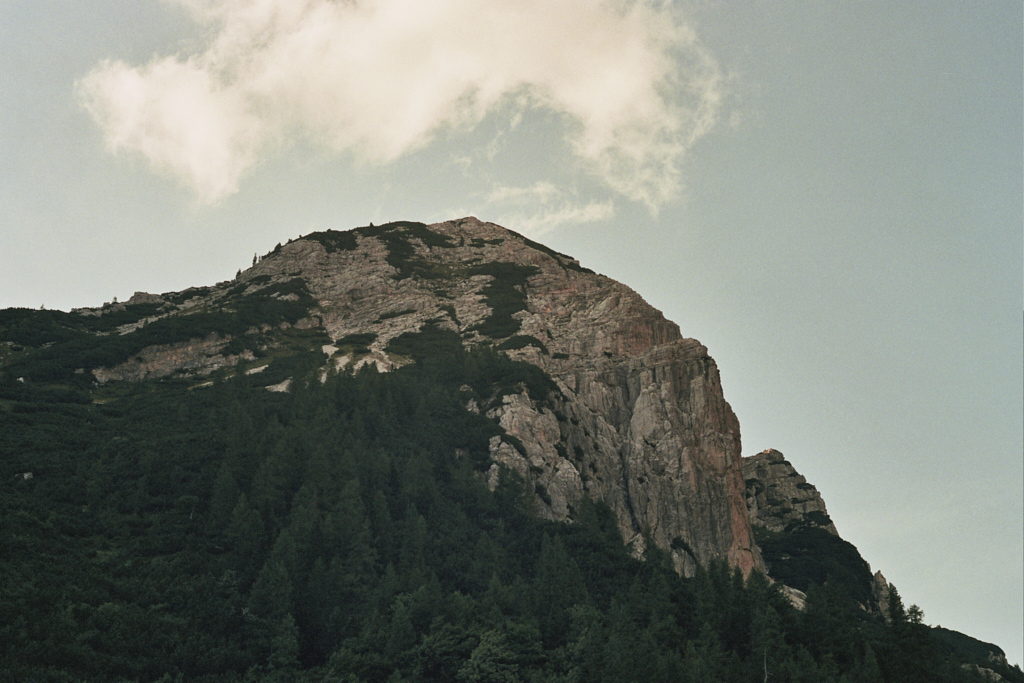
(826, 194)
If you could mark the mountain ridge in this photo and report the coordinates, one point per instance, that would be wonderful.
(561, 390)
(643, 419)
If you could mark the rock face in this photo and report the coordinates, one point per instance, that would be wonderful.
(880, 594)
(639, 421)
(197, 357)
(784, 508)
(779, 497)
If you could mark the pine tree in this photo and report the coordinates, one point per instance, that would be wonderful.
(246, 534)
(223, 498)
(558, 586)
(492, 661)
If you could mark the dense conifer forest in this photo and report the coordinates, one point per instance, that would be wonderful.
(344, 531)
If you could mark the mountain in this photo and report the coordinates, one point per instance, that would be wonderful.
(636, 418)
(418, 452)
(802, 549)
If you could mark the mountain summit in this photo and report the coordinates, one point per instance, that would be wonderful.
(635, 417)
(356, 461)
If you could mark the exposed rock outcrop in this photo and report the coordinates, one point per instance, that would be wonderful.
(196, 357)
(788, 517)
(880, 594)
(987, 674)
(144, 298)
(779, 497)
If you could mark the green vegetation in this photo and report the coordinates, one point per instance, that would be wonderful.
(489, 375)
(521, 341)
(357, 343)
(480, 242)
(63, 347)
(965, 648)
(292, 353)
(335, 240)
(505, 294)
(818, 518)
(342, 531)
(566, 262)
(808, 556)
(401, 251)
(396, 236)
(190, 293)
(29, 327)
(395, 314)
(450, 310)
(402, 231)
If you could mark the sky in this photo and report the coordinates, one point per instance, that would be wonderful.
(828, 195)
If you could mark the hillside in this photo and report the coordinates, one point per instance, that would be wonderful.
(634, 417)
(401, 452)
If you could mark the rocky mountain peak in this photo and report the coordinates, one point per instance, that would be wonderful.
(638, 419)
(482, 280)
(505, 356)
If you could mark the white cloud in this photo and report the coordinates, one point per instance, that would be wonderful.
(179, 118)
(378, 79)
(541, 191)
(543, 207)
(538, 222)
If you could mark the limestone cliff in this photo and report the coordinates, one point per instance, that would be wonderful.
(779, 497)
(799, 542)
(639, 420)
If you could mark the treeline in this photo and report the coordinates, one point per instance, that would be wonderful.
(343, 532)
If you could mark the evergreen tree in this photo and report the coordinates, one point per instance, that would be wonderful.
(349, 535)
(246, 534)
(558, 586)
(223, 498)
(492, 661)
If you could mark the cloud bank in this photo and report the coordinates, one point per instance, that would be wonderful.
(379, 79)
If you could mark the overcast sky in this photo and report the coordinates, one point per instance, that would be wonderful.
(826, 194)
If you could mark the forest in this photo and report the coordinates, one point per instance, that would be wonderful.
(343, 531)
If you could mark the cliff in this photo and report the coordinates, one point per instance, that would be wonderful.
(638, 421)
(800, 545)
(780, 498)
